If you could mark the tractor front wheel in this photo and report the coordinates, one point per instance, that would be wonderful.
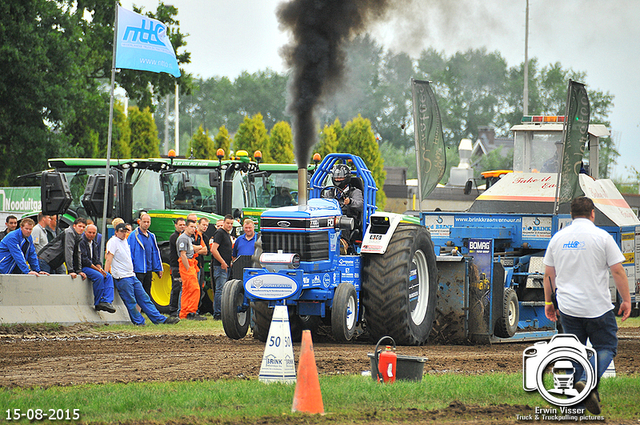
(344, 313)
(235, 320)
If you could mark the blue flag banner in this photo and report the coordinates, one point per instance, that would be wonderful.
(143, 44)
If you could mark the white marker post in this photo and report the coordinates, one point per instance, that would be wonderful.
(278, 363)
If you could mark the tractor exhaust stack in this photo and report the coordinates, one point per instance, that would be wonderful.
(302, 186)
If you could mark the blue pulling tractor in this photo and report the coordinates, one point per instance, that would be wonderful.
(376, 271)
(466, 276)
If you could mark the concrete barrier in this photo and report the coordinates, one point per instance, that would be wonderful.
(53, 299)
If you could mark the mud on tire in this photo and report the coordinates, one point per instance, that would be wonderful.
(399, 287)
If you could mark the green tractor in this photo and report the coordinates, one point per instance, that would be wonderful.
(168, 188)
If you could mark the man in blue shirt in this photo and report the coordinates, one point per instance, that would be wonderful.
(245, 244)
(145, 253)
(17, 252)
(243, 249)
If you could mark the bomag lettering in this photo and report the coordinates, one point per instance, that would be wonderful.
(479, 245)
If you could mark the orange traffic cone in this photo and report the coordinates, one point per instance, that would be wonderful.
(307, 397)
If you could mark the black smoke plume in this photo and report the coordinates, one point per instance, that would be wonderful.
(320, 29)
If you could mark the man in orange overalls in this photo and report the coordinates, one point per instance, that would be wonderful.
(188, 266)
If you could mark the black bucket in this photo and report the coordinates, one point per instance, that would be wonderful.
(408, 368)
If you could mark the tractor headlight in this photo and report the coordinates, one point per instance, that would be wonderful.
(345, 223)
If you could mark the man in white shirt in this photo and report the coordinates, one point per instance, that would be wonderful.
(577, 263)
(120, 265)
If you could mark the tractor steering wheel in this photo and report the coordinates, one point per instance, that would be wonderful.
(332, 192)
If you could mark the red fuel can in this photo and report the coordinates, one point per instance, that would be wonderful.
(387, 365)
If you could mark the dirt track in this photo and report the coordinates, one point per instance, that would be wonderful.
(73, 356)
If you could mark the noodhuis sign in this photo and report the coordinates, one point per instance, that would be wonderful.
(20, 199)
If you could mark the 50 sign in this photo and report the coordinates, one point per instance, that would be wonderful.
(275, 341)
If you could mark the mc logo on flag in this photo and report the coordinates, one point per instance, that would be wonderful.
(143, 44)
(151, 35)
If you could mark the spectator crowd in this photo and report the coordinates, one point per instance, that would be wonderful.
(130, 259)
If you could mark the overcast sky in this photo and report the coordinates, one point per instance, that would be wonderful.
(602, 39)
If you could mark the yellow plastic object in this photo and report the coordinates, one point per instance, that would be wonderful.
(161, 287)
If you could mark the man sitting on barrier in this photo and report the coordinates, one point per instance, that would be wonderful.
(120, 266)
(65, 248)
(92, 267)
(17, 252)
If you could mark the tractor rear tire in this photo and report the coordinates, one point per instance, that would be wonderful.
(399, 287)
(344, 313)
(507, 325)
(234, 321)
(262, 315)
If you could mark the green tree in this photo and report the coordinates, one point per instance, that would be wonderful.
(53, 67)
(473, 84)
(357, 138)
(223, 141)
(210, 104)
(632, 183)
(144, 134)
(121, 136)
(328, 142)
(219, 101)
(400, 157)
(494, 160)
(263, 92)
(359, 93)
(252, 136)
(281, 143)
(201, 146)
(548, 96)
(37, 88)
(396, 112)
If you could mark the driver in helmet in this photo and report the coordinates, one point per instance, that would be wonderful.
(350, 198)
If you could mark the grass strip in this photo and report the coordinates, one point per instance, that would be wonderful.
(345, 397)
